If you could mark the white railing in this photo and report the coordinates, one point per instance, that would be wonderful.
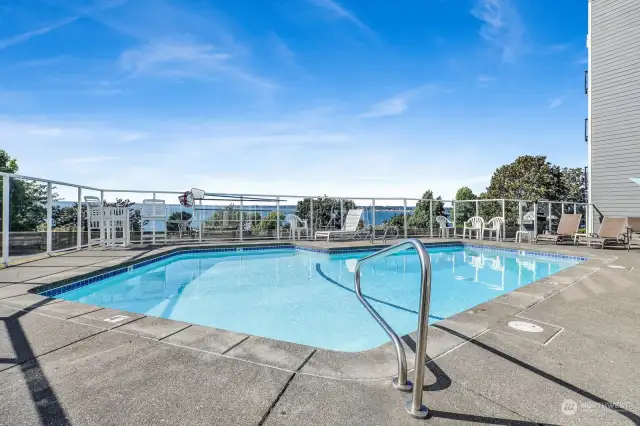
(233, 218)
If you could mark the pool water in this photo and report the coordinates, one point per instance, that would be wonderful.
(308, 297)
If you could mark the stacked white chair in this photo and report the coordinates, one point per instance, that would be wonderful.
(474, 224)
(296, 226)
(495, 226)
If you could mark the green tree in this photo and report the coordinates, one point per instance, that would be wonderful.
(27, 200)
(464, 211)
(528, 178)
(326, 210)
(398, 220)
(172, 224)
(422, 217)
(575, 185)
(269, 222)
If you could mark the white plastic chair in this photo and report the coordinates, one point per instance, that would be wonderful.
(495, 226)
(444, 223)
(296, 225)
(474, 224)
(153, 211)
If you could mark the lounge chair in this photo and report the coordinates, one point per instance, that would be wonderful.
(612, 230)
(349, 229)
(567, 228)
(633, 229)
(474, 224)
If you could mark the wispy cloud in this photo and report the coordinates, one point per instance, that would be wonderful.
(184, 58)
(501, 26)
(398, 104)
(553, 49)
(342, 13)
(89, 160)
(556, 102)
(21, 38)
(485, 80)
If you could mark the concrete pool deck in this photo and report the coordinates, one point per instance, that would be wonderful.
(62, 363)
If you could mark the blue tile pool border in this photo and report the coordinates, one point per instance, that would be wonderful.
(54, 289)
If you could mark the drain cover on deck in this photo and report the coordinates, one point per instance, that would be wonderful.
(526, 326)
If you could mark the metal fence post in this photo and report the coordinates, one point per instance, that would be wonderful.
(535, 220)
(549, 218)
(504, 220)
(102, 230)
(241, 222)
(311, 229)
(477, 208)
(341, 212)
(200, 222)
(49, 217)
(520, 224)
(404, 214)
(430, 218)
(79, 221)
(153, 224)
(278, 218)
(373, 217)
(6, 194)
(455, 224)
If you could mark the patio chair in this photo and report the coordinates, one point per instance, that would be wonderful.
(612, 231)
(296, 226)
(444, 223)
(349, 229)
(567, 229)
(474, 224)
(494, 226)
(633, 230)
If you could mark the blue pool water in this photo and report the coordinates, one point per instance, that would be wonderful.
(307, 297)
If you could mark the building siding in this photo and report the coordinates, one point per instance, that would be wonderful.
(615, 106)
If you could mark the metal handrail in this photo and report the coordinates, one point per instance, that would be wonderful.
(414, 405)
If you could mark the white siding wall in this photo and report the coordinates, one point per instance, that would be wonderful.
(615, 106)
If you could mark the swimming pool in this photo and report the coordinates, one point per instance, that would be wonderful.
(307, 297)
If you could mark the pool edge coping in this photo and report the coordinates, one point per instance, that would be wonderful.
(366, 359)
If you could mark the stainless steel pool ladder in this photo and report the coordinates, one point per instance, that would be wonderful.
(414, 405)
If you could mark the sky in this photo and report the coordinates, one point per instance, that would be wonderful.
(311, 97)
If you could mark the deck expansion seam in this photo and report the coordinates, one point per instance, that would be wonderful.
(284, 388)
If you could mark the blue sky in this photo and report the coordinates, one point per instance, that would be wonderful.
(337, 97)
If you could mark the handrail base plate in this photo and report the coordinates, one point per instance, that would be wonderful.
(420, 414)
(403, 388)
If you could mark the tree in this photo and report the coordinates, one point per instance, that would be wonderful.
(172, 224)
(398, 220)
(575, 184)
(465, 211)
(326, 210)
(269, 222)
(422, 217)
(532, 178)
(27, 200)
(528, 178)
